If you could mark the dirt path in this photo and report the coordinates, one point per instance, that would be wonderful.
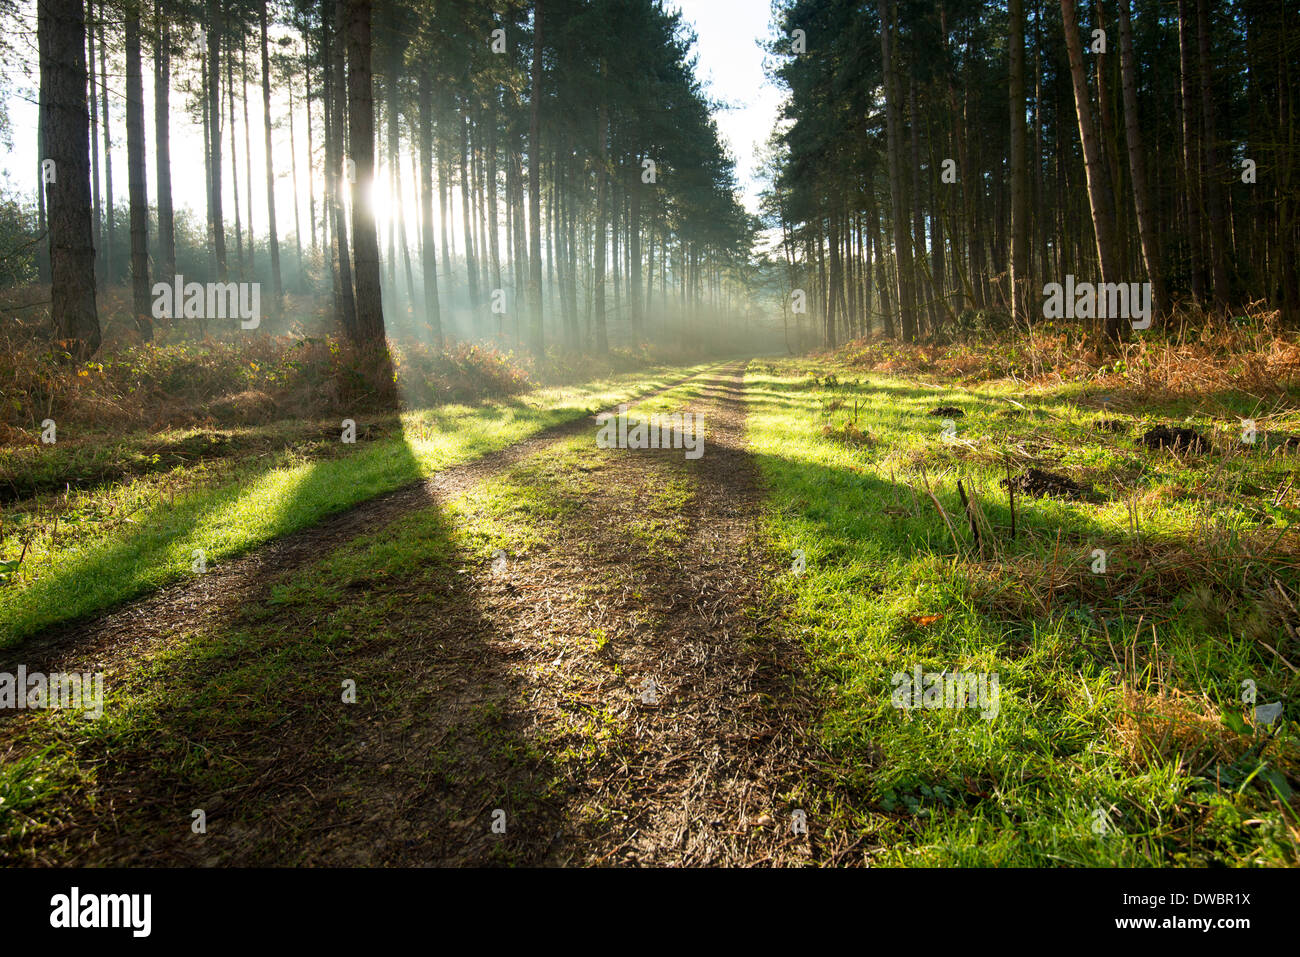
(513, 695)
(112, 641)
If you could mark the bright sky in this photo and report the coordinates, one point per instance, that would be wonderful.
(731, 68)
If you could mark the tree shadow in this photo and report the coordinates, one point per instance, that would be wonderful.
(242, 715)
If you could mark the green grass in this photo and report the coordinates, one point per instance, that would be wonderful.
(183, 717)
(1119, 693)
(118, 541)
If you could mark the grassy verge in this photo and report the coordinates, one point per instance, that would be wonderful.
(252, 707)
(1119, 735)
(72, 555)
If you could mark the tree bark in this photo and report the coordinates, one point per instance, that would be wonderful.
(109, 224)
(602, 202)
(215, 24)
(361, 113)
(162, 144)
(1191, 154)
(1218, 233)
(272, 237)
(428, 252)
(248, 154)
(344, 297)
(135, 169)
(234, 159)
(1137, 166)
(535, 187)
(894, 139)
(1020, 281)
(98, 222)
(66, 136)
(1100, 197)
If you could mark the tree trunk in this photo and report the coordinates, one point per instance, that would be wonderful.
(234, 161)
(398, 201)
(1100, 197)
(109, 224)
(293, 176)
(634, 255)
(428, 252)
(535, 186)
(213, 78)
(248, 154)
(361, 113)
(602, 208)
(135, 169)
(43, 245)
(272, 238)
(1020, 281)
(215, 23)
(344, 297)
(467, 215)
(894, 137)
(1137, 165)
(62, 43)
(98, 222)
(162, 151)
(444, 202)
(1191, 155)
(1218, 234)
(311, 151)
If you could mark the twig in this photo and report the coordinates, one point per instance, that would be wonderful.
(1011, 495)
(1294, 669)
(930, 492)
(970, 517)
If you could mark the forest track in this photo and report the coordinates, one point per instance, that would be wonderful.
(109, 640)
(515, 692)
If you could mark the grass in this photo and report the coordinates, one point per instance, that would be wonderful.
(67, 556)
(1121, 736)
(195, 717)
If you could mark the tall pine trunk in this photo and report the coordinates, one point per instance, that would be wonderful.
(361, 138)
(234, 160)
(1191, 154)
(248, 154)
(894, 138)
(66, 136)
(297, 215)
(162, 144)
(272, 238)
(1020, 281)
(215, 24)
(344, 296)
(428, 252)
(535, 187)
(109, 218)
(602, 209)
(98, 222)
(1147, 231)
(1101, 200)
(1218, 233)
(135, 170)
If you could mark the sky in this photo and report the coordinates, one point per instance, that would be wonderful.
(730, 67)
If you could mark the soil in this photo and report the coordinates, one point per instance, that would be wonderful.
(1038, 483)
(618, 702)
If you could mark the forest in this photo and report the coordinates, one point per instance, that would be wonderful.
(650, 433)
